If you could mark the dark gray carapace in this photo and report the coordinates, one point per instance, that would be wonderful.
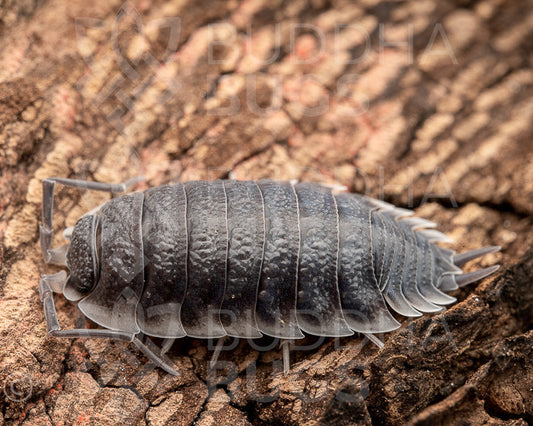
(246, 259)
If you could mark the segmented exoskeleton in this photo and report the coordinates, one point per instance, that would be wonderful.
(246, 259)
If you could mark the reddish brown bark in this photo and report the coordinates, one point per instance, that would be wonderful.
(425, 104)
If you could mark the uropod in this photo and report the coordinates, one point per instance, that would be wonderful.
(210, 259)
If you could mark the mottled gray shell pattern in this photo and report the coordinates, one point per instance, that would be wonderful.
(246, 259)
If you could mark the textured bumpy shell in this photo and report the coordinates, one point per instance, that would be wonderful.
(210, 259)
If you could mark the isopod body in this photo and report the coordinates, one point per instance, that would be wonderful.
(210, 259)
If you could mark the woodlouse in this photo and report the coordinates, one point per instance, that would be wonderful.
(243, 258)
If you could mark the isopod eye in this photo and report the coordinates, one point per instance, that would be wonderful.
(82, 259)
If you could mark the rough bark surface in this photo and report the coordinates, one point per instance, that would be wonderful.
(425, 104)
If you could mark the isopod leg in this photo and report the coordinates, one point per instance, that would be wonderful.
(216, 352)
(153, 357)
(54, 329)
(47, 297)
(285, 347)
(57, 256)
(374, 339)
(167, 344)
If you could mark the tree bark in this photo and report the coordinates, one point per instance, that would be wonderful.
(423, 104)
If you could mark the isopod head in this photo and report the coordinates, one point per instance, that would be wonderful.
(82, 259)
